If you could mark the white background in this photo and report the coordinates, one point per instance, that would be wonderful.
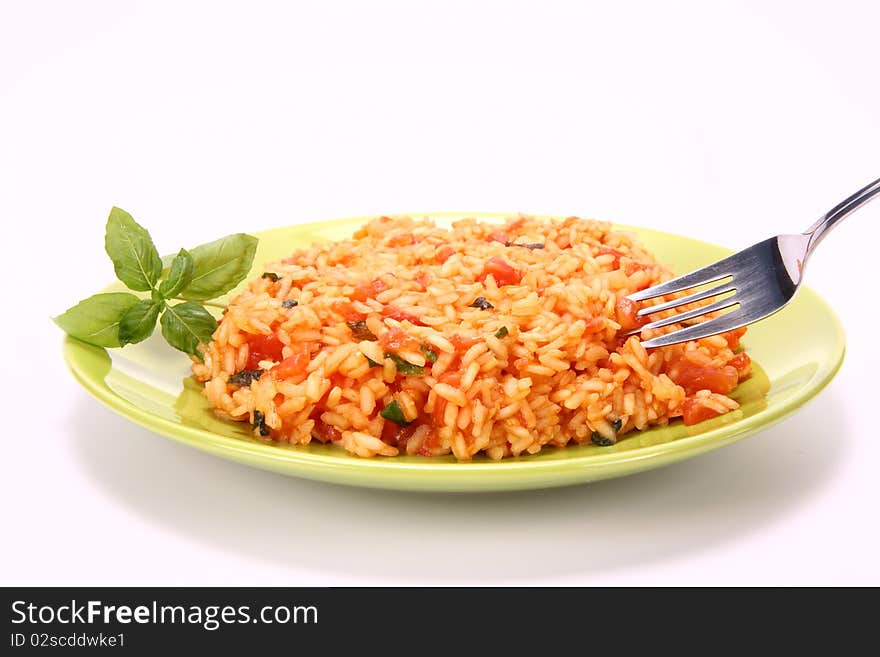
(726, 121)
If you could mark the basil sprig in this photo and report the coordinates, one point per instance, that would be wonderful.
(119, 318)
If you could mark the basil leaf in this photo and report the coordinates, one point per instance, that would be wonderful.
(394, 413)
(138, 322)
(502, 332)
(179, 275)
(219, 266)
(430, 354)
(405, 367)
(135, 259)
(96, 320)
(187, 324)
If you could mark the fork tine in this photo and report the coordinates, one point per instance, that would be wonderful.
(708, 274)
(728, 322)
(691, 298)
(696, 312)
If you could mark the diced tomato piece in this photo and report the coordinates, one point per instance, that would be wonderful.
(503, 273)
(594, 325)
(390, 433)
(397, 436)
(521, 363)
(346, 309)
(369, 289)
(325, 432)
(604, 250)
(262, 347)
(293, 367)
(631, 267)
(693, 411)
(396, 313)
(422, 278)
(626, 314)
(463, 342)
(396, 338)
(440, 404)
(499, 236)
(432, 441)
(452, 378)
(618, 342)
(734, 336)
(743, 365)
(439, 411)
(404, 239)
(443, 253)
(698, 377)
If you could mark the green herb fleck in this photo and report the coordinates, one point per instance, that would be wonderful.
(289, 303)
(616, 425)
(271, 275)
(502, 332)
(600, 440)
(371, 362)
(260, 423)
(359, 331)
(482, 303)
(245, 377)
(430, 354)
(405, 367)
(528, 245)
(394, 413)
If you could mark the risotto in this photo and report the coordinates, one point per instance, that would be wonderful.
(500, 339)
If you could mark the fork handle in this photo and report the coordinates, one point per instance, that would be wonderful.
(819, 229)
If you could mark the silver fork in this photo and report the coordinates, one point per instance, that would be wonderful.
(763, 278)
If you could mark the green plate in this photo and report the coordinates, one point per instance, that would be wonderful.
(148, 383)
